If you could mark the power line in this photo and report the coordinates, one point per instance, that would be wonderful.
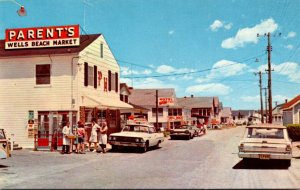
(193, 72)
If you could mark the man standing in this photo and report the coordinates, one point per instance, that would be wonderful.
(66, 141)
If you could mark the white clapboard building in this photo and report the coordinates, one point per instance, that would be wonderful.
(42, 88)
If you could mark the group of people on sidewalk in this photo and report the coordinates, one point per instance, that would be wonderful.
(80, 135)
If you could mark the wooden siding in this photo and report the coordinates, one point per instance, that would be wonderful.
(19, 93)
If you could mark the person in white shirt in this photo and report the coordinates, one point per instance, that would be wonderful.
(103, 136)
(66, 141)
(93, 138)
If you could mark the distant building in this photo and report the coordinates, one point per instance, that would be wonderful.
(205, 109)
(226, 115)
(244, 116)
(291, 111)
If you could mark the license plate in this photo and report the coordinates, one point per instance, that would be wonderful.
(264, 156)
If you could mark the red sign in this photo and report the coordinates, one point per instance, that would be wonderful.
(41, 37)
(175, 118)
(165, 101)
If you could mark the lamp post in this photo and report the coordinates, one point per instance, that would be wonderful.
(21, 11)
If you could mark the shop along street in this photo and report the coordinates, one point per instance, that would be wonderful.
(207, 161)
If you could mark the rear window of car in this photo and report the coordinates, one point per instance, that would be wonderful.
(265, 133)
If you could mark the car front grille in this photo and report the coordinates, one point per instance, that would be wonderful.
(126, 139)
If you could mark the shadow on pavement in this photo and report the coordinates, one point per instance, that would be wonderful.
(131, 150)
(3, 166)
(262, 164)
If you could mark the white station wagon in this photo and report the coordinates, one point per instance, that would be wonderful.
(141, 136)
(266, 142)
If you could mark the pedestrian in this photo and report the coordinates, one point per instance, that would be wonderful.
(66, 141)
(103, 136)
(81, 135)
(93, 138)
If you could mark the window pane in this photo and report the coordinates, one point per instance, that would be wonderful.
(43, 74)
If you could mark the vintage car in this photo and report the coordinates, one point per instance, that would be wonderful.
(265, 142)
(141, 136)
(182, 131)
(4, 145)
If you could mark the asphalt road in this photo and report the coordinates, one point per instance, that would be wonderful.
(209, 161)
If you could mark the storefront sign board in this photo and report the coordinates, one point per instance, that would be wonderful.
(42, 37)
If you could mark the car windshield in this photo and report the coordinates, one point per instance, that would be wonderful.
(181, 127)
(265, 133)
(136, 128)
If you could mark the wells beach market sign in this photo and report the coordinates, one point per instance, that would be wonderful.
(42, 37)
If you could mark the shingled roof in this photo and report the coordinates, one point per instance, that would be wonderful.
(85, 40)
(147, 97)
(196, 102)
(291, 103)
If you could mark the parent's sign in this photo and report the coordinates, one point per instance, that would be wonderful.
(42, 37)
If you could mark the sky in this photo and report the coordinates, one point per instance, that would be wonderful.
(197, 47)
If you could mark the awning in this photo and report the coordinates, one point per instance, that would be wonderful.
(104, 103)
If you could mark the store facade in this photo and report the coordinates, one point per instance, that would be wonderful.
(51, 75)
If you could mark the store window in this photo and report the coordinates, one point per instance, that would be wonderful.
(43, 74)
(159, 112)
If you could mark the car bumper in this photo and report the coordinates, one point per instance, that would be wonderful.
(266, 156)
(129, 144)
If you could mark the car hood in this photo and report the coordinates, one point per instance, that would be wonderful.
(129, 134)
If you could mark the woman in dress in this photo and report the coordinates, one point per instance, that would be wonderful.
(93, 138)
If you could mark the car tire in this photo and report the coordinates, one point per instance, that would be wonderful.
(157, 145)
(145, 148)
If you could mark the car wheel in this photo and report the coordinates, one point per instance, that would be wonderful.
(145, 148)
(157, 146)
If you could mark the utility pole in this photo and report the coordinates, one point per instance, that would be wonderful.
(156, 102)
(269, 70)
(260, 93)
(269, 49)
(266, 102)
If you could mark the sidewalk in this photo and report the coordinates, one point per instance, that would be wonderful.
(296, 149)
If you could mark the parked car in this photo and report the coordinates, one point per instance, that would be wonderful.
(265, 142)
(4, 145)
(182, 131)
(141, 136)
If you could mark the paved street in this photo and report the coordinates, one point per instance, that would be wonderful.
(209, 161)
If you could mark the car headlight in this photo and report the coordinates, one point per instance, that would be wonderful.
(114, 138)
(139, 140)
(187, 131)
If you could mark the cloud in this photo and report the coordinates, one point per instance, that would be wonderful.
(164, 69)
(280, 98)
(289, 47)
(224, 68)
(148, 83)
(211, 89)
(291, 34)
(228, 26)
(289, 69)
(249, 35)
(251, 99)
(171, 32)
(125, 71)
(217, 24)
